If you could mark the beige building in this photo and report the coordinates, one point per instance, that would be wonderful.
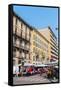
(21, 41)
(53, 45)
(40, 48)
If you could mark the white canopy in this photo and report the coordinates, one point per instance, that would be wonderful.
(28, 64)
(52, 63)
(41, 65)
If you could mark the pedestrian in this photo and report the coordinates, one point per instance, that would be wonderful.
(17, 71)
(21, 70)
(14, 71)
(49, 73)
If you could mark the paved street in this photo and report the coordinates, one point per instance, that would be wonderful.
(30, 80)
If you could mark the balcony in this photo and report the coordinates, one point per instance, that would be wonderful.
(22, 55)
(16, 54)
(27, 57)
(21, 45)
(23, 35)
(27, 37)
(16, 45)
(25, 47)
(18, 34)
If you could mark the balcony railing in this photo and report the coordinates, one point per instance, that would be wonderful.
(17, 54)
(23, 36)
(20, 46)
(24, 47)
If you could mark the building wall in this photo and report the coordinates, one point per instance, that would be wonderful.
(31, 45)
(45, 32)
(39, 48)
(21, 41)
(53, 46)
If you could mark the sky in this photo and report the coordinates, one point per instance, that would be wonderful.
(39, 17)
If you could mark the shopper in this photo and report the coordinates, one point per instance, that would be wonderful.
(17, 71)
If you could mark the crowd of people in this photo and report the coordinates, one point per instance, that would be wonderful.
(50, 72)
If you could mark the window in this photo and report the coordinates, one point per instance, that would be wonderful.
(22, 54)
(19, 24)
(17, 53)
(18, 31)
(28, 33)
(23, 31)
(33, 58)
(23, 43)
(35, 37)
(17, 42)
(14, 52)
(27, 56)
(14, 62)
(19, 62)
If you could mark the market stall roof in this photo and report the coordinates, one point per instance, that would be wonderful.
(41, 65)
(56, 67)
(28, 64)
(52, 63)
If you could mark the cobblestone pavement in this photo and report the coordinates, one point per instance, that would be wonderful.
(31, 80)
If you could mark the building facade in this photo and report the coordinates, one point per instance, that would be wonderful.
(40, 48)
(53, 45)
(32, 46)
(21, 41)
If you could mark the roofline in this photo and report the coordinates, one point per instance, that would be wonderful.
(20, 18)
(32, 28)
(40, 34)
(48, 27)
(52, 31)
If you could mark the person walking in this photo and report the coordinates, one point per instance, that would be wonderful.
(49, 73)
(17, 71)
